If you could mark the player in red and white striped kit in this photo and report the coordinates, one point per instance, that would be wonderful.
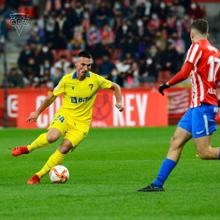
(202, 65)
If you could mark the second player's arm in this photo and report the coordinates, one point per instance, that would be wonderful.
(179, 77)
(47, 102)
(117, 92)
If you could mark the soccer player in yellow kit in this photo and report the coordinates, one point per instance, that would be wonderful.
(72, 120)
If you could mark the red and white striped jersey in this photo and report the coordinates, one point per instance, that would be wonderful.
(206, 72)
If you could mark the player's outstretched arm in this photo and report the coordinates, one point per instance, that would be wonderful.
(117, 91)
(179, 77)
(34, 115)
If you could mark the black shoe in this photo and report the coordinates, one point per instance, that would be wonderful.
(151, 188)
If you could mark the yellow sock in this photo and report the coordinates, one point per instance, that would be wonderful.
(40, 141)
(55, 159)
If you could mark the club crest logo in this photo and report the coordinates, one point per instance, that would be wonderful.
(19, 21)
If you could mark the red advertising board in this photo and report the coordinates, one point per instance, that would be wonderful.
(12, 103)
(142, 108)
(29, 102)
(178, 102)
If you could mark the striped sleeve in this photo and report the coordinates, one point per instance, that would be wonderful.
(194, 54)
(182, 74)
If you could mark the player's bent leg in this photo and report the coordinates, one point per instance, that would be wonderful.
(45, 139)
(205, 150)
(55, 159)
(180, 137)
(53, 135)
(66, 146)
(41, 141)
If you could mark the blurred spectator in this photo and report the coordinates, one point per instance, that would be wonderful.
(74, 16)
(129, 44)
(170, 24)
(62, 64)
(107, 36)
(45, 69)
(196, 11)
(58, 74)
(93, 36)
(154, 23)
(168, 56)
(27, 62)
(37, 34)
(4, 15)
(122, 68)
(106, 67)
(102, 14)
(147, 70)
(77, 42)
(45, 54)
(131, 78)
(140, 37)
(14, 79)
(50, 27)
(179, 45)
(3, 29)
(127, 72)
(14, 4)
(53, 5)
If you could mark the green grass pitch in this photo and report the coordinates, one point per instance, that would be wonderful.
(105, 171)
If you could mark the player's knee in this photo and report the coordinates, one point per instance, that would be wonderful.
(175, 141)
(65, 149)
(204, 154)
(52, 138)
(66, 146)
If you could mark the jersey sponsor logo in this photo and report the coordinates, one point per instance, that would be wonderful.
(212, 91)
(80, 99)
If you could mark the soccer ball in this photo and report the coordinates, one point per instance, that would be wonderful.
(59, 174)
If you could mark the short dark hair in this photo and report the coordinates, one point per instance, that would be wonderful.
(200, 25)
(84, 53)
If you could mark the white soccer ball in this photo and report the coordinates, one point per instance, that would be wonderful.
(59, 174)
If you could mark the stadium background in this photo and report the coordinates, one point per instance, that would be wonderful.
(138, 44)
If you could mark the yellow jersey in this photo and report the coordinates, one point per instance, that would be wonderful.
(79, 96)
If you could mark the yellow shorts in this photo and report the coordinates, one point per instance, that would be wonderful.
(73, 130)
